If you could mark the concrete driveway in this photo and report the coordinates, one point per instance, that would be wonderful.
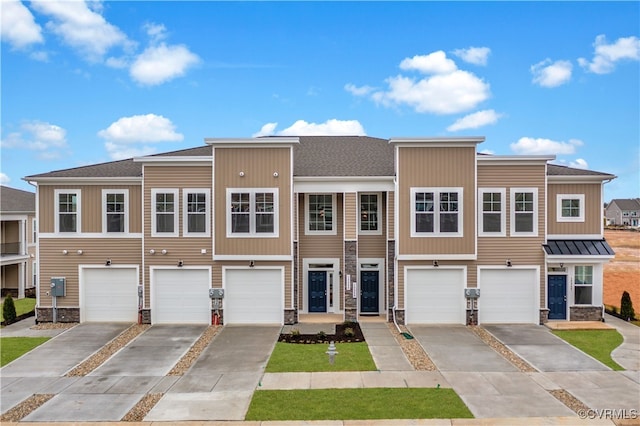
(487, 383)
(542, 349)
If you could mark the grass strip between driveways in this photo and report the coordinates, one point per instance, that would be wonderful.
(597, 343)
(14, 347)
(298, 357)
(23, 306)
(357, 404)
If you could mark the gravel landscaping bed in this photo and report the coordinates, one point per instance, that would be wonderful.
(142, 408)
(569, 400)
(413, 350)
(506, 353)
(53, 325)
(25, 407)
(194, 351)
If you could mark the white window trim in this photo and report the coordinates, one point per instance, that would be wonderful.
(176, 212)
(252, 213)
(575, 284)
(78, 195)
(185, 212)
(34, 230)
(334, 212)
(125, 192)
(503, 212)
(436, 210)
(379, 203)
(512, 206)
(562, 197)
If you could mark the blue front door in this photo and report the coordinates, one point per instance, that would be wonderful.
(317, 291)
(369, 292)
(557, 296)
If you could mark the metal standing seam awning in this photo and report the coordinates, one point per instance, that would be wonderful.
(569, 250)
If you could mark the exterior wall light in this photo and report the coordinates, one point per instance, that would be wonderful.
(508, 263)
(64, 252)
(80, 252)
(241, 174)
(180, 263)
(164, 251)
(107, 263)
(275, 174)
(152, 251)
(435, 264)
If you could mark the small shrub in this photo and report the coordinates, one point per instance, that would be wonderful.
(626, 307)
(9, 310)
(349, 332)
(295, 332)
(321, 335)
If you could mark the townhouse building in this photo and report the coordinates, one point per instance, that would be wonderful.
(423, 230)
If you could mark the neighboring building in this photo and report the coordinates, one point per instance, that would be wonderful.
(323, 224)
(623, 212)
(18, 237)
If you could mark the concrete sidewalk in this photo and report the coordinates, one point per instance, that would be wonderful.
(385, 350)
(628, 353)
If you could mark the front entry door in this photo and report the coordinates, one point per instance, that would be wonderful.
(317, 291)
(557, 295)
(369, 292)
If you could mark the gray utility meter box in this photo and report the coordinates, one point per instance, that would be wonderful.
(216, 293)
(58, 286)
(472, 293)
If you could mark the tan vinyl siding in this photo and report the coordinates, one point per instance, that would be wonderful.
(10, 231)
(350, 216)
(121, 251)
(592, 215)
(217, 276)
(375, 246)
(436, 168)
(91, 207)
(391, 213)
(258, 166)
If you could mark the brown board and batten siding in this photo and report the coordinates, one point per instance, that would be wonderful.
(592, 224)
(95, 251)
(350, 216)
(375, 246)
(319, 246)
(436, 167)
(258, 166)
(390, 209)
(91, 206)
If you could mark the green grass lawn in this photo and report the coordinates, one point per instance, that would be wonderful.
(294, 357)
(23, 306)
(14, 347)
(350, 404)
(597, 343)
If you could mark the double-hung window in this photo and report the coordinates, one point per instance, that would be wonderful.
(115, 211)
(320, 217)
(583, 285)
(164, 220)
(196, 212)
(370, 214)
(524, 212)
(436, 212)
(252, 212)
(492, 212)
(570, 207)
(67, 210)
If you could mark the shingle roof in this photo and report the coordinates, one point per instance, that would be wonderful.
(578, 248)
(627, 203)
(16, 200)
(559, 170)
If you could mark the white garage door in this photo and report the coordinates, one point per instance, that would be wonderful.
(508, 296)
(180, 296)
(435, 296)
(253, 296)
(109, 294)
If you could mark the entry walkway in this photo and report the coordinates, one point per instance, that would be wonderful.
(628, 353)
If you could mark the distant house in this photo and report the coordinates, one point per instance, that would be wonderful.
(625, 212)
(18, 241)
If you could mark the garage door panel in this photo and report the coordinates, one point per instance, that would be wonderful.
(508, 296)
(435, 296)
(109, 295)
(253, 296)
(180, 296)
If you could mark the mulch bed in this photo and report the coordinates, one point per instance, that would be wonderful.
(345, 333)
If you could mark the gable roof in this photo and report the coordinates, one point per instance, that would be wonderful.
(627, 203)
(16, 200)
(560, 170)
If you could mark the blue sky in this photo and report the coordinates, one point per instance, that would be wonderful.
(88, 82)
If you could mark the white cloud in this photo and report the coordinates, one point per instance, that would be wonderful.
(41, 56)
(156, 32)
(81, 27)
(141, 129)
(475, 120)
(551, 74)
(541, 146)
(37, 136)
(358, 91)
(331, 127)
(4, 179)
(121, 152)
(579, 163)
(18, 26)
(487, 152)
(159, 64)
(606, 55)
(474, 55)
(433, 63)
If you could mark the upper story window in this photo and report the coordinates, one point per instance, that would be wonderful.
(252, 212)
(370, 214)
(196, 211)
(67, 210)
(570, 208)
(492, 212)
(34, 230)
(436, 212)
(320, 218)
(115, 210)
(583, 288)
(524, 212)
(164, 217)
